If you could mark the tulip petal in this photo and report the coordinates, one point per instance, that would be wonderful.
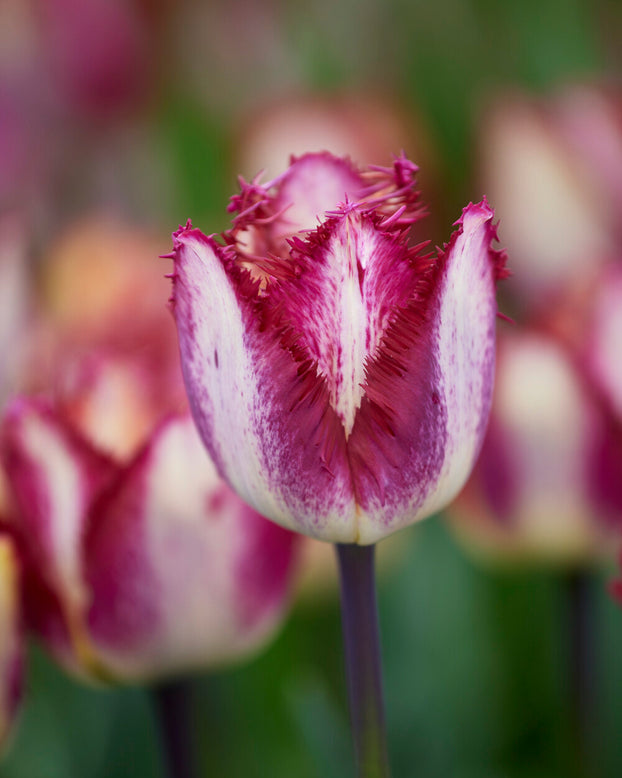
(312, 185)
(182, 573)
(428, 391)
(350, 277)
(264, 417)
(11, 638)
(605, 337)
(543, 483)
(54, 475)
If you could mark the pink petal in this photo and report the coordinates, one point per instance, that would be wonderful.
(54, 476)
(537, 488)
(552, 209)
(312, 185)
(264, 417)
(11, 637)
(350, 279)
(428, 390)
(297, 200)
(182, 573)
(605, 337)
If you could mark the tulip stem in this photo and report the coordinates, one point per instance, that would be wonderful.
(173, 708)
(582, 681)
(359, 616)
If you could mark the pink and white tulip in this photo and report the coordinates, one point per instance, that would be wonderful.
(340, 376)
(14, 300)
(137, 570)
(539, 490)
(547, 485)
(11, 638)
(139, 561)
(554, 169)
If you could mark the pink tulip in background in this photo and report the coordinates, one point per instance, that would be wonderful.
(11, 635)
(537, 491)
(553, 168)
(548, 484)
(138, 560)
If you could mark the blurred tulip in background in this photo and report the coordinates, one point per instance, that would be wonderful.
(11, 635)
(537, 492)
(547, 485)
(139, 561)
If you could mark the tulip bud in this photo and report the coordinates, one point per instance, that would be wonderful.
(340, 377)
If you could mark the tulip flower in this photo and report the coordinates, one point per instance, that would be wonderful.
(138, 570)
(339, 375)
(539, 490)
(97, 52)
(11, 648)
(553, 168)
(139, 561)
(546, 487)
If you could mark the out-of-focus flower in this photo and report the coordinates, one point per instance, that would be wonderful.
(549, 481)
(599, 341)
(554, 169)
(11, 639)
(97, 53)
(14, 300)
(141, 569)
(539, 490)
(139, 561)
(112, 363)
(339, 377)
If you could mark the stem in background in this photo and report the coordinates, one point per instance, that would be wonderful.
(359, 616)
(582, 665)
(172, 701)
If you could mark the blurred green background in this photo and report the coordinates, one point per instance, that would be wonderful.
(476, 660)
(476, 680)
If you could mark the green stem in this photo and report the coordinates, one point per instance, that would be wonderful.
(359, 615)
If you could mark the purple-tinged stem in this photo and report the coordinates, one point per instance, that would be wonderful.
(173, 707)
(359, 617)
(582, 665)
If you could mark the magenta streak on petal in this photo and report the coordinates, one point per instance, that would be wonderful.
(397, 444)
(264, 567)
(495, 473)
(603, 461)
(123, 610)
(351, 280)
